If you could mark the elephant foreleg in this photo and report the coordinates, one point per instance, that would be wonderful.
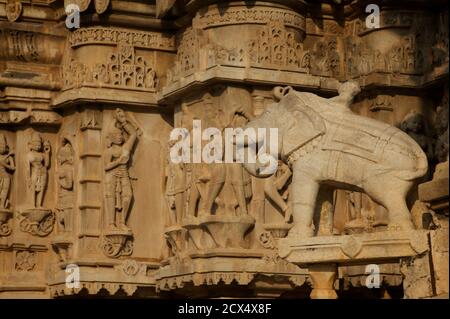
(304, 194)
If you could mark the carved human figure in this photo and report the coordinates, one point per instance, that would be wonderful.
(395, 59)
(38, 159)
(117, 156)
(239, 178)
(324, 143)
(347, 92)
(441, 127)
(354, 207)
(274, 184)
(175, 188)
(414, 124)
(6, 164)
(197, 174)
(64, 178)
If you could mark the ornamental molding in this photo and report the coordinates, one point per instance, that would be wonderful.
(137, 39)
(243, 15)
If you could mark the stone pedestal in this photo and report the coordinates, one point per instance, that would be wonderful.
(321, 255)
(5, 228)
(117, 243)
(37, 221)
(323, 276)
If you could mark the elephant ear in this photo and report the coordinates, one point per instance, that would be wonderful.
(304, 125)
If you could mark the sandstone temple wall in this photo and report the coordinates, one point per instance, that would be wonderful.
(85, 118)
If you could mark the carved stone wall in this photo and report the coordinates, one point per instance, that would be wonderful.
(85, 175)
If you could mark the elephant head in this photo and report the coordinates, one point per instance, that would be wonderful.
(294, 120)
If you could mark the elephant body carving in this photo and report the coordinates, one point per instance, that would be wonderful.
(324, 142)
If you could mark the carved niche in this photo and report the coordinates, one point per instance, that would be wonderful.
(65, 186)
(37, 220)
(7, 166)
(121, 139)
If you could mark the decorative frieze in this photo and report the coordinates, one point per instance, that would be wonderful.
(123, 69)
(274, 48)
(234, 15)
(405, 57)
(97, 186)
(25, 260)
(21, 45)
(114, 36)
(33, 117)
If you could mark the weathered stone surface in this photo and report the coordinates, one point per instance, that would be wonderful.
(87, 184)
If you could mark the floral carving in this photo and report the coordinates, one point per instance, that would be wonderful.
(25, 260)
(13, 10)
(123, 69)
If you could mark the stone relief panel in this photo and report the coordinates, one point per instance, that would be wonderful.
(90, 176)
(297, 150)
(121, 59)
(37, 220)
(326, 60)
(441, 148)
(7, 168)
(273, 41)
(21, 44)
(406, 57)
(122, 69)
(113, 36)
(244, 15)
(121, 138)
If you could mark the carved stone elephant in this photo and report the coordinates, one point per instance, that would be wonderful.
(324, 142)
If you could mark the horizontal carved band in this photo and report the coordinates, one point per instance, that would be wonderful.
(139, 39)
(34, 117)
(241, 14)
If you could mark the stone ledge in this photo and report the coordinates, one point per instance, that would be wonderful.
(105, 95)
(354, 248)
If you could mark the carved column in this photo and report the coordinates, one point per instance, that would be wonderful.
(323, 278)
(90, 181)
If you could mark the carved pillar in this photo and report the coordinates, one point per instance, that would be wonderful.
(90, 181)
(323, 277)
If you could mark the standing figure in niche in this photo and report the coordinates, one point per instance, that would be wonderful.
(274, 184)
(216, 182)
(6, 164)
(354, 208)
(414, 125)
(117, 156)
(395, 58)
(197, 173)
(65, 185)
(175, 188)
(441, 127)
(239, 178)
(38, 163)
